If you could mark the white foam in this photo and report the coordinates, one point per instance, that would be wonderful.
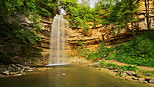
(57, 64)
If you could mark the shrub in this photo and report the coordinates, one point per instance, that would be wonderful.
(129, 67)
(111, 56)
(100, 52)
(114, 66)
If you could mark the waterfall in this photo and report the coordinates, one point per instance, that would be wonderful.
(57, 55)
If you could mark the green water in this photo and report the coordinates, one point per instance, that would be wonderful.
(68, 76)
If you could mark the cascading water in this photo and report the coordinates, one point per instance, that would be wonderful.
(57, 55)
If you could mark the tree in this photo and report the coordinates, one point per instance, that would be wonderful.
(77, 14)
(10, 18)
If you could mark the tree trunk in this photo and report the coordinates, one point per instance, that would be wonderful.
(147, 13)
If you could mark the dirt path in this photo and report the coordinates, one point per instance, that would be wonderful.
(119, 63)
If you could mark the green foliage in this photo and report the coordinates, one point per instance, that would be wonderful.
(139, 51)
(150, 72)
(46, 7)
(19, 26)
(30, 52)
(27, 36)
(113, 65)
(85, 28)
(12, 53)
(12, 12)
(111, 56)
(129, 67)
(83, 52)
(80, 44)
(118, 13)
(102, 62)
(13, 7)
(100, 52)
(123, 67)
(2, 45)
(123, 9)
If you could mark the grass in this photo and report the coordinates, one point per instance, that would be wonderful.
(119, 67)
(144, 72)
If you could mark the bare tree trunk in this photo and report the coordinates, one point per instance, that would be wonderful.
(147, 13)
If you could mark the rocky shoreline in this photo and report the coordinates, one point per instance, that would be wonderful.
(18, 70)
(14, 70)
(127, 75)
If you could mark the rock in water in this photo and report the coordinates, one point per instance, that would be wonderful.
(7, 72)
(64, 74)
(151, 81)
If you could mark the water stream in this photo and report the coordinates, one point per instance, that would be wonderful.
(68, 76)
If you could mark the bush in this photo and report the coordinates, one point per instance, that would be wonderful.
(129, 67)
(111, 56)
(100, 52)
(138, 51)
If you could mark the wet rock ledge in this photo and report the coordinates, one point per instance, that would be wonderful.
(14, 70)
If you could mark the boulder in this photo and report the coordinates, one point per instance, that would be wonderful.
(6, 72)
(141, 79)
(110, 68)
(123, 75)
(19, 65)
(147, 79)
(17, 75)
(99, 68)
(151, 81)
(131, 73)
(13, 73)
(116, 71)
(97, 64)
(129, 77)
(147, 74)
(135, 78)
(12, 65)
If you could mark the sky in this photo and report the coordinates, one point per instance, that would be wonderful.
(91, 2)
